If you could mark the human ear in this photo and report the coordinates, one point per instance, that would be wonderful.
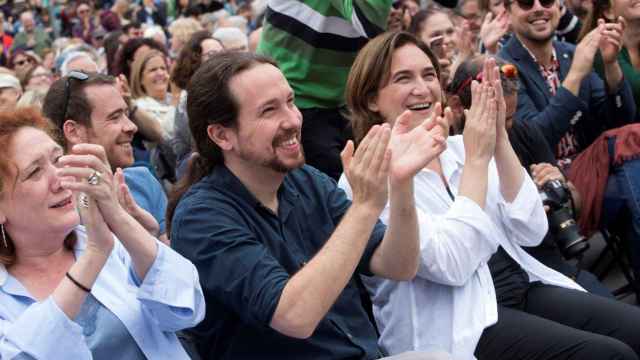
(221, 136)
(74, 133)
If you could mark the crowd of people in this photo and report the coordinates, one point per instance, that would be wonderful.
(316, 179)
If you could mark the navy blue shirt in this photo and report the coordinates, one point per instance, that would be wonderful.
(245, 254)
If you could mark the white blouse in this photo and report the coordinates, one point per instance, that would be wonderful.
(452, 299)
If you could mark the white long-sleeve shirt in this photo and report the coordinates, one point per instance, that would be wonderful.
(452, 299)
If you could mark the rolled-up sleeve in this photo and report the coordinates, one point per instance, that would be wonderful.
(42, 331)
(454, 245)
(524, 219)
(171, 291)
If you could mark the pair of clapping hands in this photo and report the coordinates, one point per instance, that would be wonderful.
(86, 172)
(485, 119)
(393, 155)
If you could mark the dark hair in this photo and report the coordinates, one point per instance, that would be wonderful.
(421, 17)
(23, 52)
(131, 25)
(469, 69)
(79, 108)
(599, 11)
(370, 72)
(124, 58)
(189, 59)
(10, 123)
(111, 46)
(211, 101)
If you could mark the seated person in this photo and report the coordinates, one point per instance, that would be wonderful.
(103, 289)
(573, 106)
(88, 108)
(477, 292)
(534, 154)
(277, 244)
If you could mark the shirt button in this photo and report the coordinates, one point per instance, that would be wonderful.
(618, 101)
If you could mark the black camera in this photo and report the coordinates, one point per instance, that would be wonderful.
(562, 224)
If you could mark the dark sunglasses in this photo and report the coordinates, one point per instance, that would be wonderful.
(22, 62)
(508, 70)
(528, 4)
(76, 75)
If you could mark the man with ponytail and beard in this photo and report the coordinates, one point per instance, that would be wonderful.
(276, 243)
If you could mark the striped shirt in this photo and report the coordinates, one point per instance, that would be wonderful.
(316, 41)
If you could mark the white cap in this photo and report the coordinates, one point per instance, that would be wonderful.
(9, 81)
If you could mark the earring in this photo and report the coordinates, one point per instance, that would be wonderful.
(4, 236)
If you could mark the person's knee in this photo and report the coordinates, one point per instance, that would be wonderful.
(608, 348)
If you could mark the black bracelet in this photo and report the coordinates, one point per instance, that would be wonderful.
(78, 284)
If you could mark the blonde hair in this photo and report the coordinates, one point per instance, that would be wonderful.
(137, 70)
(32, 98)
(183, 28)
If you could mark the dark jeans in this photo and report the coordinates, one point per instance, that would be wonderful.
(622, 200)
(558, 323)
(324, 134)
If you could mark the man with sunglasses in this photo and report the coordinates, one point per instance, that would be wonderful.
(88, 108)
(562, 94)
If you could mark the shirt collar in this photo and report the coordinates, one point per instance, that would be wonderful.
(223, 178)
(554, 59)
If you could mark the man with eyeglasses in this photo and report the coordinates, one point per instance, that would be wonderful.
(562, 94)
(88, 108)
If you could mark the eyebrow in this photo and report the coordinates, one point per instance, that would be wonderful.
(54, 149)
(408, 72)
(116, 111)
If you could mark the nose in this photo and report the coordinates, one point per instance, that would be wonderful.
(129, 126)
(421, 87)
(294, 118)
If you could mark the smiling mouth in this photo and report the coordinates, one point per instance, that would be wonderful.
(62, 203)
(420, 107)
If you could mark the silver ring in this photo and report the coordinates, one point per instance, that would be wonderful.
(94, 179)
(83, 200)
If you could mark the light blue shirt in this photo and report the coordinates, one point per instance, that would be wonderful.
(105, 334)
(147, 192)
(167, 300)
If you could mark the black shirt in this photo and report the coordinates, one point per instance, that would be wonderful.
(245, 254)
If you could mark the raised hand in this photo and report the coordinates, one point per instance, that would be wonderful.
(368, 168)
(88, 164)
(493, 29)
(493, 76)
(130, 205)
(479, 134)
(611, 40)
(413, 149)
(586, 52)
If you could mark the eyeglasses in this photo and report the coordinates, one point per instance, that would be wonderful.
(22, 62)
(76, 75)
(528, 4)
(509, 71)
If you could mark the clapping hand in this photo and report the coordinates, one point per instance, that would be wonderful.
(88, 165)
(479, 134)
(130, 205)
(367, 169)
(413, 148)
(611, 40)
(493, 29)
